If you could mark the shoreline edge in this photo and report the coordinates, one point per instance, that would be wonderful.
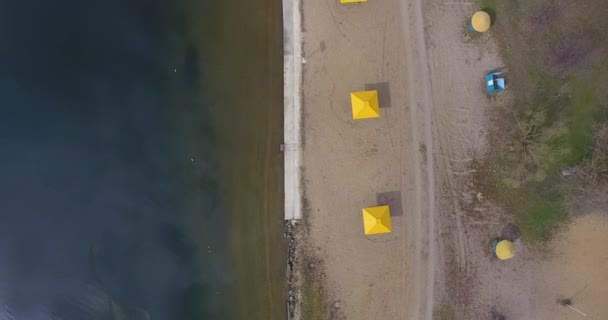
(292, 143)
(292, 108)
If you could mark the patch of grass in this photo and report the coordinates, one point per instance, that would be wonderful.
(537, 215)
(313, 304)
(489, 6)
(313, 298)
(535, 206)
(550, 49)
(444, 311)
(598, 164)
(581, 114)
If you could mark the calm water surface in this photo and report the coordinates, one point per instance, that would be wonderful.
(141, 177)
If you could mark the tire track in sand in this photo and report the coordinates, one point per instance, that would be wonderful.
(420, 105)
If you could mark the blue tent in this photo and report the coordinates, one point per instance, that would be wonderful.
(495, 82)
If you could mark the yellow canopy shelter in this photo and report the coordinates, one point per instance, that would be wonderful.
(365, 104)
(481, 21)
(348, 1)
(505, 250)
(377, 220)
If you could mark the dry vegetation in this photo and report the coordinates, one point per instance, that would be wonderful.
(556, 133)
(596, 168)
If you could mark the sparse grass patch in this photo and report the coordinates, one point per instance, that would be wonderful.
(536, 206)
(595, 169)
(551, 50)
(313, 304)
(537, 215)
(444, 311)
(489, 6)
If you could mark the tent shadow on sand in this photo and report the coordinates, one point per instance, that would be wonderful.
(384, 92)
(391, 199)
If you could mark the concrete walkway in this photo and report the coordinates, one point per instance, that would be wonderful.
(292, 75)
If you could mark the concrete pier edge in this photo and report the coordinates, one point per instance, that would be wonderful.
(292, 90)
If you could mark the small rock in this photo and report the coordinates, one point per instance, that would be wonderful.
(567, 172)
(479, 197)
(336, 305)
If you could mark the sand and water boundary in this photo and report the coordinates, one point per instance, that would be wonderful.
(292, 141)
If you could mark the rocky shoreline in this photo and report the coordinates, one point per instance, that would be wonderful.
(290, 235)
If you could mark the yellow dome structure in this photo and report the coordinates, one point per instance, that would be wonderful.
(349, 1)
(481, 21)
(365, 104)
(377, 220)
(505, 250)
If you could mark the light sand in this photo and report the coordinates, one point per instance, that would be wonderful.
(421, 153)
(528, 286)
(429, 114)
(577, 269)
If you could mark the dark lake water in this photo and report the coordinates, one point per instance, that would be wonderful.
(140, 170)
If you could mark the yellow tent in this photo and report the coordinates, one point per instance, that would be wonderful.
(365, 104)
(348, 1)
(377, 220)
(505, 250)
(481, 21)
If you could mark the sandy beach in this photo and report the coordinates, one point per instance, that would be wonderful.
(419, 157)
(399, 159)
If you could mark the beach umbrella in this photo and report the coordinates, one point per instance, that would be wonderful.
(505, 250)
(349, 1)
(481, 21)
(377, 220)
(365, 104)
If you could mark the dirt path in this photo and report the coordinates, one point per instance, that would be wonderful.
(451, 120)
(421, 130)
(460, 118)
